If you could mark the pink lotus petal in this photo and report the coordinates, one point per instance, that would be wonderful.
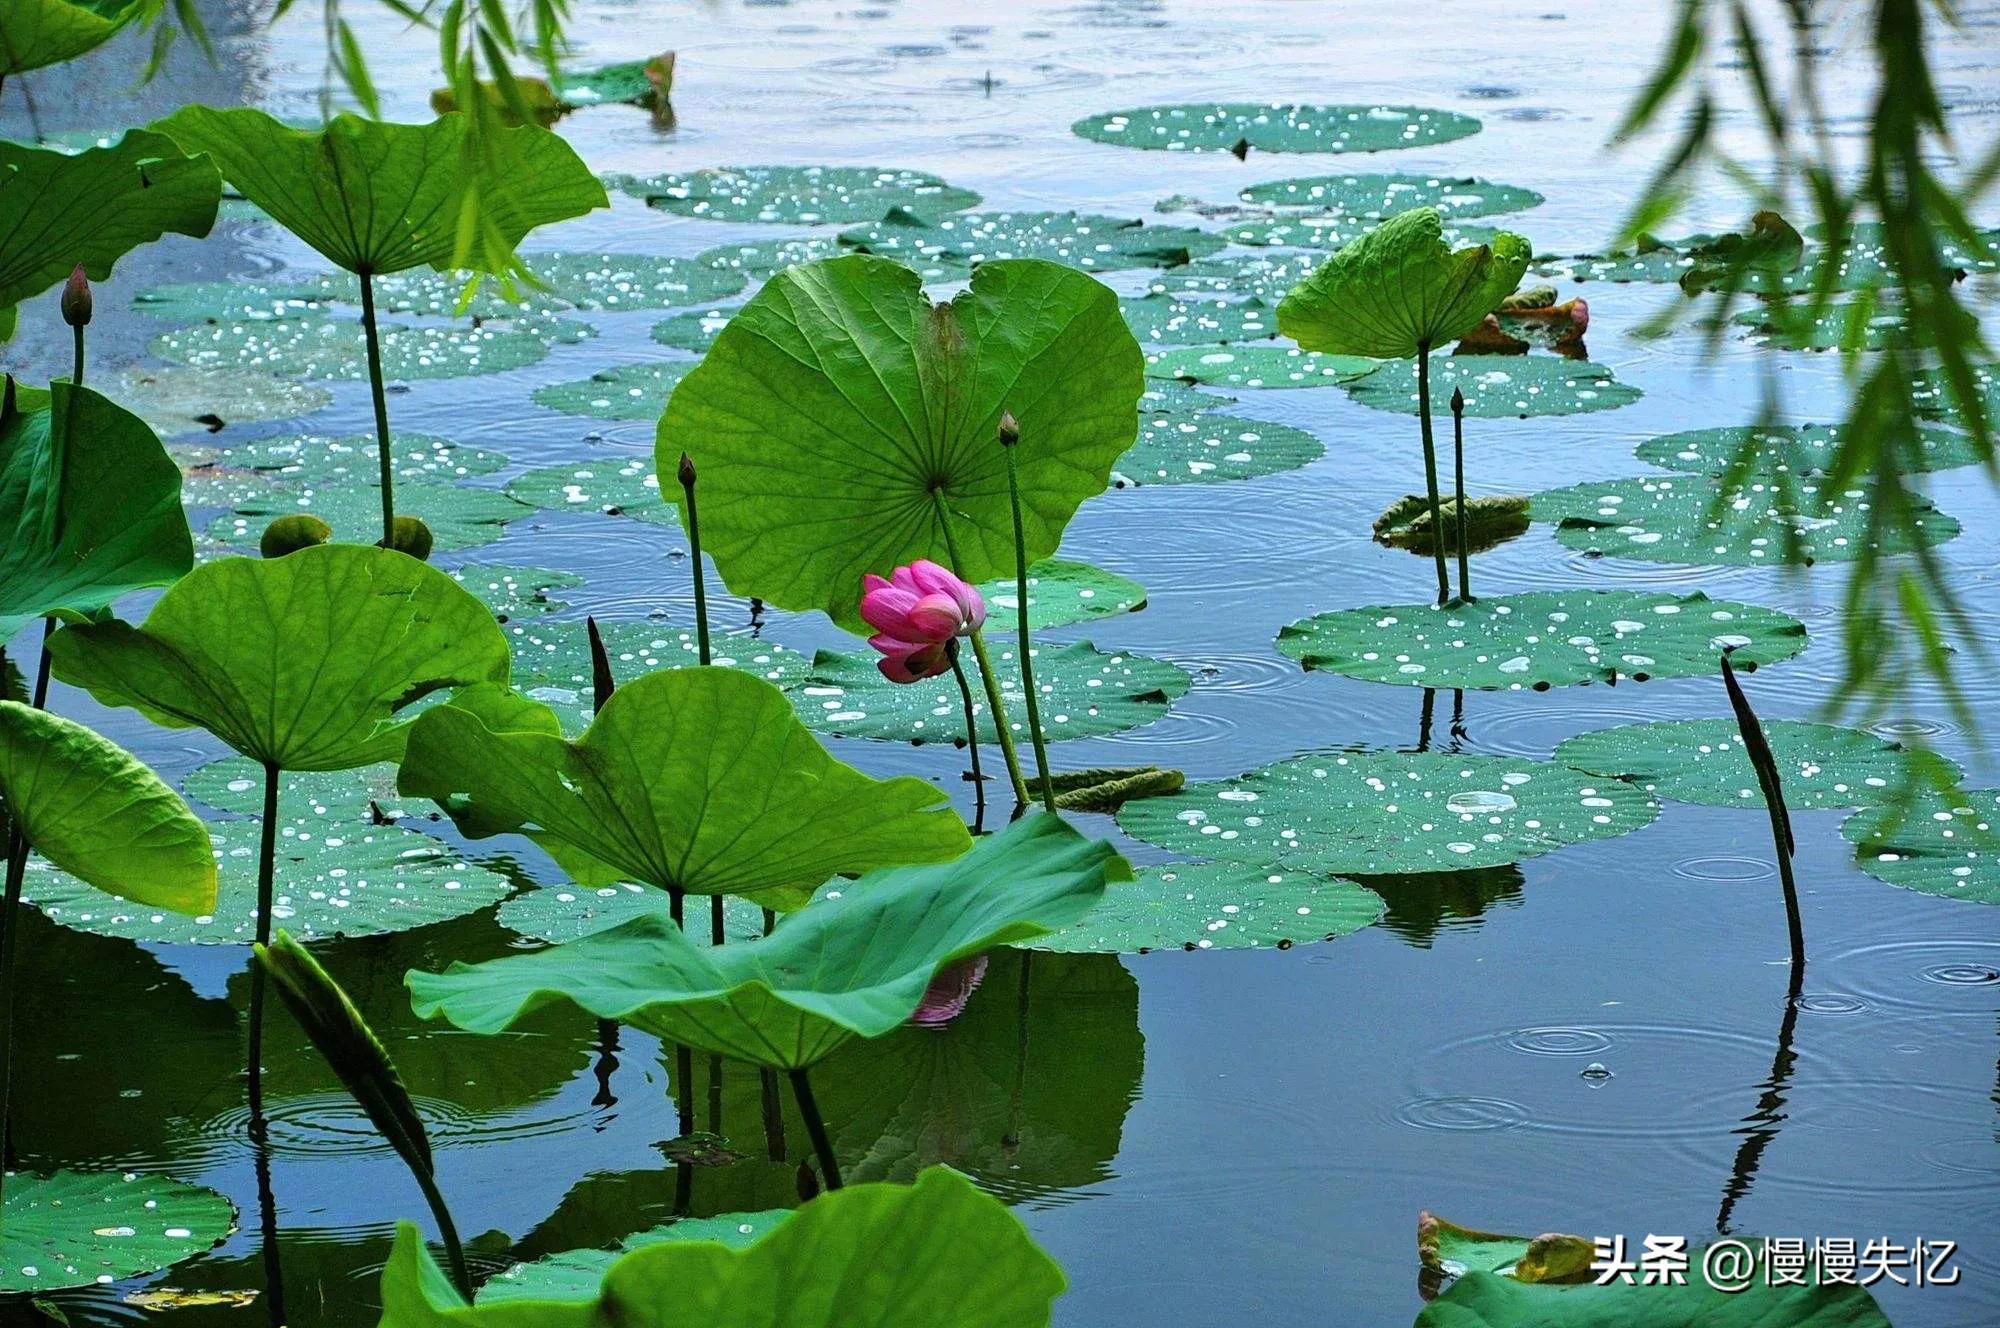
(944, 1000)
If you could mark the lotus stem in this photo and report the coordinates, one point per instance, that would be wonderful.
(10, 927)
(829, 1165)
(447, 1232)
(683, 1055)
(1458, 474)
(76, 373)
(1758, 748)
(971, 735)
(386, 450)
(267, 1211)
(774, 1106)
(42, 666)
(1010, 437)
(986, 673)
(715, 937)
(267, 855)
(700, 581)
(1431, 467)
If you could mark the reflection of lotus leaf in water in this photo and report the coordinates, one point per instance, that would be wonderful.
(1419, 905)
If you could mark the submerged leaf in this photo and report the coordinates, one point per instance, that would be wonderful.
(1490, 521)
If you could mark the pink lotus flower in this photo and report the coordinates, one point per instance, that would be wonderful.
(944, 1000)
(916, 613)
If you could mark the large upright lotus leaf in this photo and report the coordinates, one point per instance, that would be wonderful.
(1389, 812)
(890, 1256)
(841, 406)
(1935, 843)
(301, 661)
(377, 197)
(1703, 761)
(854, 963)
(176, 400)
(1401, 290)
(804, 194)
(1542, 639)
(1276, 127)
(1762, 521)
(577, 1274)
(1798, 449)
(325, 348)
(1172, 320)
(627, 392)
(1257, 366)
(1499, 386)
(694, 779)
(1085, 692)
(58, 209)
(1218, 906)
(48, 32)
(1487, 1300)
(1386, 195)
(1206, 447)
(91, 808)
(1087, 240)
(90, 508)
(89, 1228)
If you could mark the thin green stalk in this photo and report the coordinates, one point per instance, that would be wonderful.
(10, 926)
(267, 855)
(971, 736)
(694, 556)
(383, 446)
(76, 374)
(683, 1055)
(42, 666)
(1431, 468)
(447, 1232)
(829, 1165)
(1458, 469)
(774, 1107)
(986, 673)
(1009, 439)
(1758, 748)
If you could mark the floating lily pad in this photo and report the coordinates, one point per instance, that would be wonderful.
(458, 517)
(330, 348)
(1927, 390)
(1498, 386)
(90, 1228)
(1671, 519)
(1085, 692)
(803, 194)
(628, 392)
(579, 1274)
(1333, 230)
(1203, 447)
(1171, 395)
(175, 400)
(1446, 1249)
(560, 913)
(763, 257)
(1702, 761)
(1276, 127)
(1543, 638)
(1381, 196)
(1803, 449)
(1935, 844)
(552, 660)
(1374, 812)
(307, 800)
(1218, 906)
(694, 330)
(1167, 319)
(1664, 263)
(616, 485)
(626, 82)
(1061, 592)
(1755, 1296)
(1078, 239)
(514, 592)
(253, 471)
(1267, 277)
(1258, 366)
(632, 281)
(1844, 324)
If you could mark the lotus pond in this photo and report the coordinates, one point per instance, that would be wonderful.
(1452, 891)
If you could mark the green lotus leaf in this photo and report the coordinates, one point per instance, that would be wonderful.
(1257, 366)
(86, 1228)
(1204, 447)
(253, 471)
(760, 258)
(1798, 449)
(1449, 1250)
(1085, 240)
(1764, 521)
(1499, 386)
(1162, 395)
(1662, 262)
(1218, 906)
(375, 197)
(560, 913)
(314, 804)
(628, 392)
(298, 662)
(1858, 324)
(1928, 391)
(1061, 592)
(515, 592)
(1344, 813)
(552, 663)
(458, 517)
(1862, 245)
(90, 508)
(1267, 277)
(1703, 761)
(1359, 195)
(692, 779)
(1400, 290)
(330, 349)
(1486, 1300)
(1276, 127)
(805, 194)
(894, 1256)
(1337, 230)
(1490, 521)
(1935, 843)
(91, 808)
(694, 330)
(841, 411)
(631, 281)
(59, 209)
(1085, 692)
(1542, 639)
(175, 400)
(1168, 319)
(48, 32)
(577, 1274)
(854, 963)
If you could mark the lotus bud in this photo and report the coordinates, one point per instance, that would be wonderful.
(76, 298)
(289, 534)
(1457, 401)
(687, 471)
(1010, 430)
(412, 537)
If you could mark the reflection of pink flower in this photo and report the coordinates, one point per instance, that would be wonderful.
(944, 1000)
(915, 614)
